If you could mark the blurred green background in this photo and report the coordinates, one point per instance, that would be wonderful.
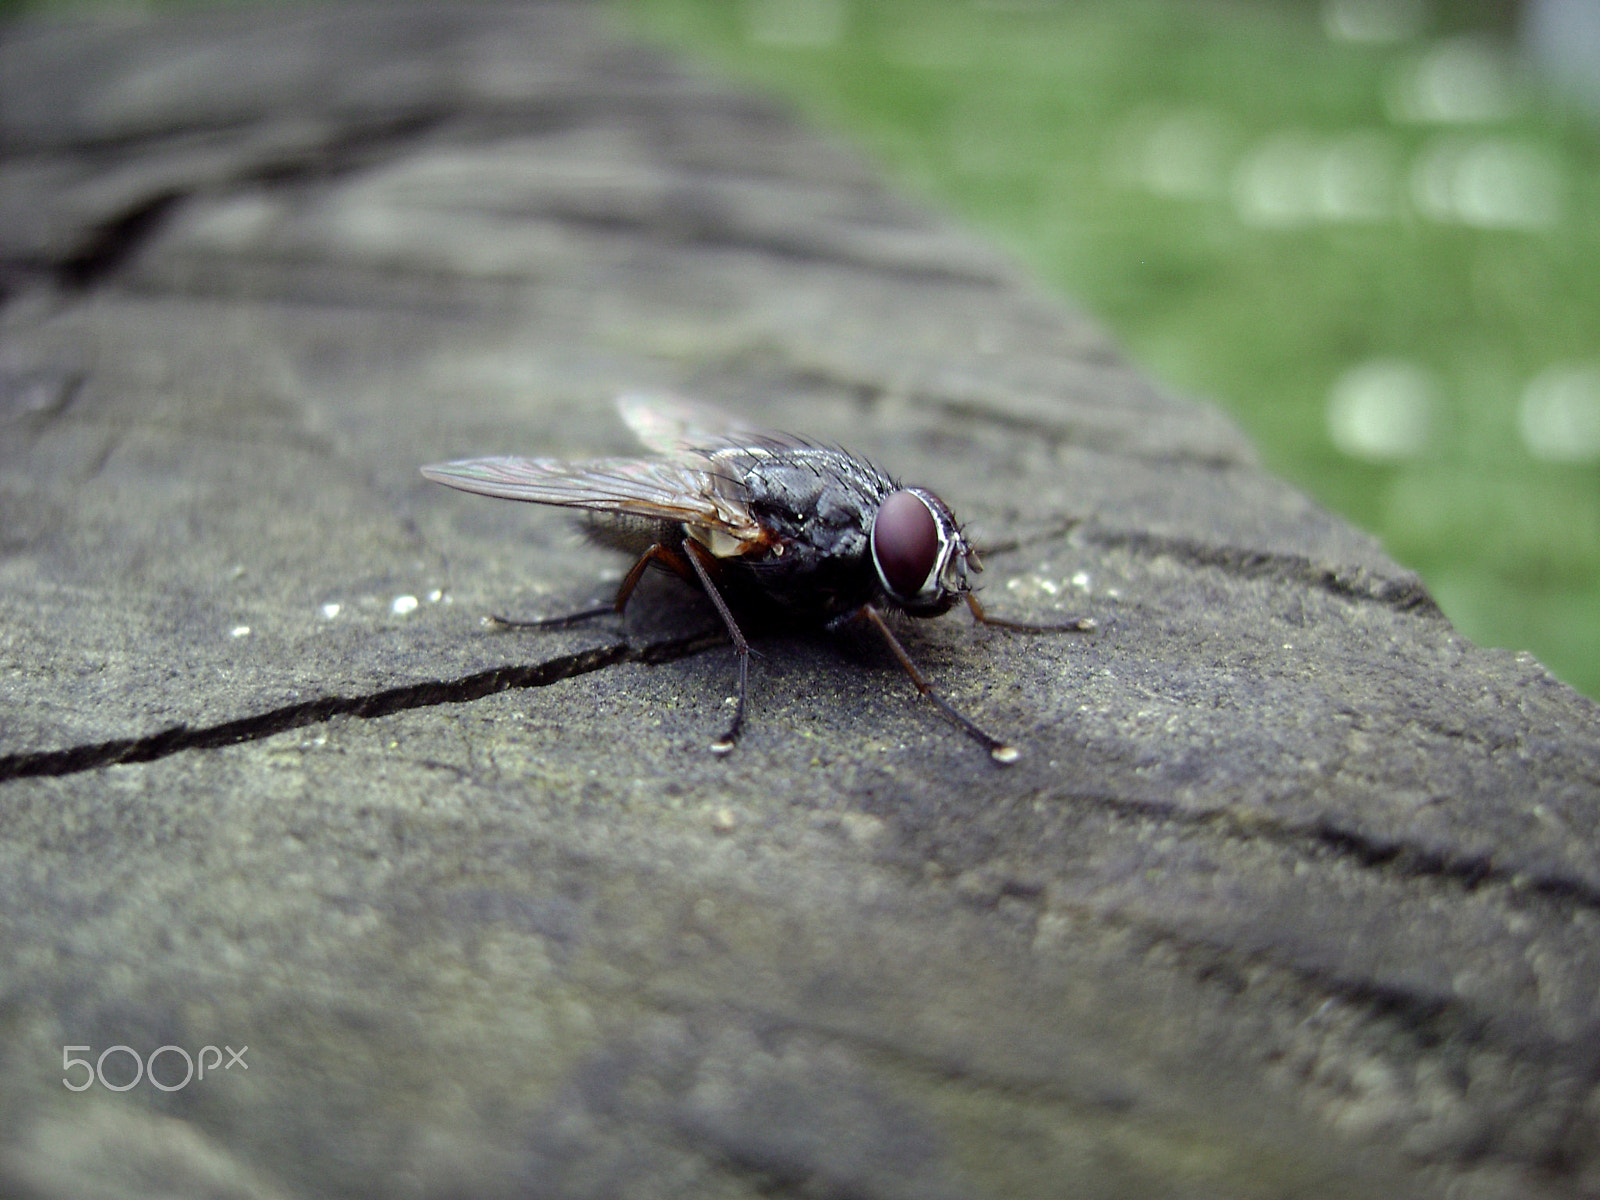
(1368, 228)
(1365, 227)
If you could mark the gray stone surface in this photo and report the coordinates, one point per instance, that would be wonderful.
(1293, 893)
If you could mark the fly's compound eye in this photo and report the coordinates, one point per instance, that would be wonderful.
(905, 544)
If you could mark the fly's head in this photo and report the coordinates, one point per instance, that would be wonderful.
(921, 557)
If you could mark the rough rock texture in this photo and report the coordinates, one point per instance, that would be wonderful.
(1294, 892)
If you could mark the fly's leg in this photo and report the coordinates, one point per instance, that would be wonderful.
(687, 563)
(1071, 625)
(664, 555)
(696, 554)
(1001, 752)
(494, 621)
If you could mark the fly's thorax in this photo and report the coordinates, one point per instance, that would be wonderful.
(919, 553)
(818, 501)
(814, 508)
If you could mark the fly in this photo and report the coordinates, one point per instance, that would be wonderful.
(807, 532)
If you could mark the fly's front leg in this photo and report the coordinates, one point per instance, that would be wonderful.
(1070, 625)
(700, 560)
(1001, 752)
(658, 552)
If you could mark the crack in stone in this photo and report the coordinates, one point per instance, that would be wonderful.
(1568, 1065)
(1360, 584)
(104, 247)
(178, 738)
(107, 246)
(1351, 583)
(1069, 429)
(1565, 1068)
(703, 211)
(1397, 856)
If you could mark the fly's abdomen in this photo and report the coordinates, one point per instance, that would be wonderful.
(622, 531)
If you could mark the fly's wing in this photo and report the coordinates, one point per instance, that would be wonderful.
(671, 425)
(659, 489)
